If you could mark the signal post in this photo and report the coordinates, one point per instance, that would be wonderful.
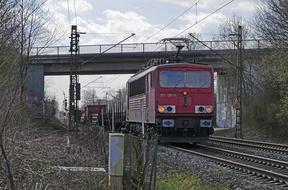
(74, 87)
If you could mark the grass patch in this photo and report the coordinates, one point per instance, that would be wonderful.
(184, 181)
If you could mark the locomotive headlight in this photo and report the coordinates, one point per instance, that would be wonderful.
(161, 109)
(199, 109)
(203, 109)
(209, 109)
(167, 108)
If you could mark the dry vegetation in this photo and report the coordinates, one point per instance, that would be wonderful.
(37, 152)
(30, 151)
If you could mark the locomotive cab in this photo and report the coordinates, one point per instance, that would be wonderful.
(184, 102)
(177, 101)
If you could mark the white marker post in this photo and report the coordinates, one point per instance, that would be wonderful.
(142, 117)
(68, 147)
(102, 117)
(113, 122)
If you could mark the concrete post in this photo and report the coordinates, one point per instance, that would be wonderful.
(116, 160)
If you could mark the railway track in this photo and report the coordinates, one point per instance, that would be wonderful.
(268, 170)
(270, 147)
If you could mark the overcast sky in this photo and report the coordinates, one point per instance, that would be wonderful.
(110, 21)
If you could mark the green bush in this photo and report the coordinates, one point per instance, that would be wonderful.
(184, 181)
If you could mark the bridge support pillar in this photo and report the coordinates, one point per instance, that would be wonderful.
(225, 113)
(34, 86)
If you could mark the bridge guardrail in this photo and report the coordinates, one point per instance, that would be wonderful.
(147, 47)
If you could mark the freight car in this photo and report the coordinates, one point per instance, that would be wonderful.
(176, 99)
(92, 114)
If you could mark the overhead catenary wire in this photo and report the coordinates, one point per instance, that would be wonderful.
(252, 28)
(91, 82)
(58, 26)
(114, 77)
(201, 20)
(196, 11)
(172, 21)
(75, 13)
(225, 59)
(110, 80)
(106, 33)
(59, 32)
(204, 18)
(68, 9)
(84, 62)
(53, 20)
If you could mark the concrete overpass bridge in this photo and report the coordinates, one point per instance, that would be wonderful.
(128, 59)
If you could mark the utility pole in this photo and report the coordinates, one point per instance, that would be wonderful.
(74, 88)
(238, 104)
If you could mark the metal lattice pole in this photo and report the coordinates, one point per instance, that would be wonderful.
(74, 88)
(239, 103)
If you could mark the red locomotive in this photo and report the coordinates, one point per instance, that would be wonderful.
(177, 99)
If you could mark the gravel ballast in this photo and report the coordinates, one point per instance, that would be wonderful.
(171, 160)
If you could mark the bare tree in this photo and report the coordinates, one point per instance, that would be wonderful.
(229, 29)
(89, 97)
(229, 33)
(272, 24)
(9, 83)
(51, 107)
(21, 25)
(32, 29)
(8, 109)
(193, 44)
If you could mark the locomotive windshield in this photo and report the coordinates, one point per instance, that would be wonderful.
(185, 79)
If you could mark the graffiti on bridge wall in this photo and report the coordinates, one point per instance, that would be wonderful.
(35, 102)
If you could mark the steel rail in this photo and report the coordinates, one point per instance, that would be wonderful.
(284, 146)
(247, 144)
(249, 157)
(276, 177)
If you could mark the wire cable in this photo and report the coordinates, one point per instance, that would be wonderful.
(91, 82)
(173, 20)
(68, 8)
(101, 89)
(204, 18)
(90, 59)
(75, 13)
(112, 79)
(58, 26)
(225, 59)
(196, 10)
(106, 34)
